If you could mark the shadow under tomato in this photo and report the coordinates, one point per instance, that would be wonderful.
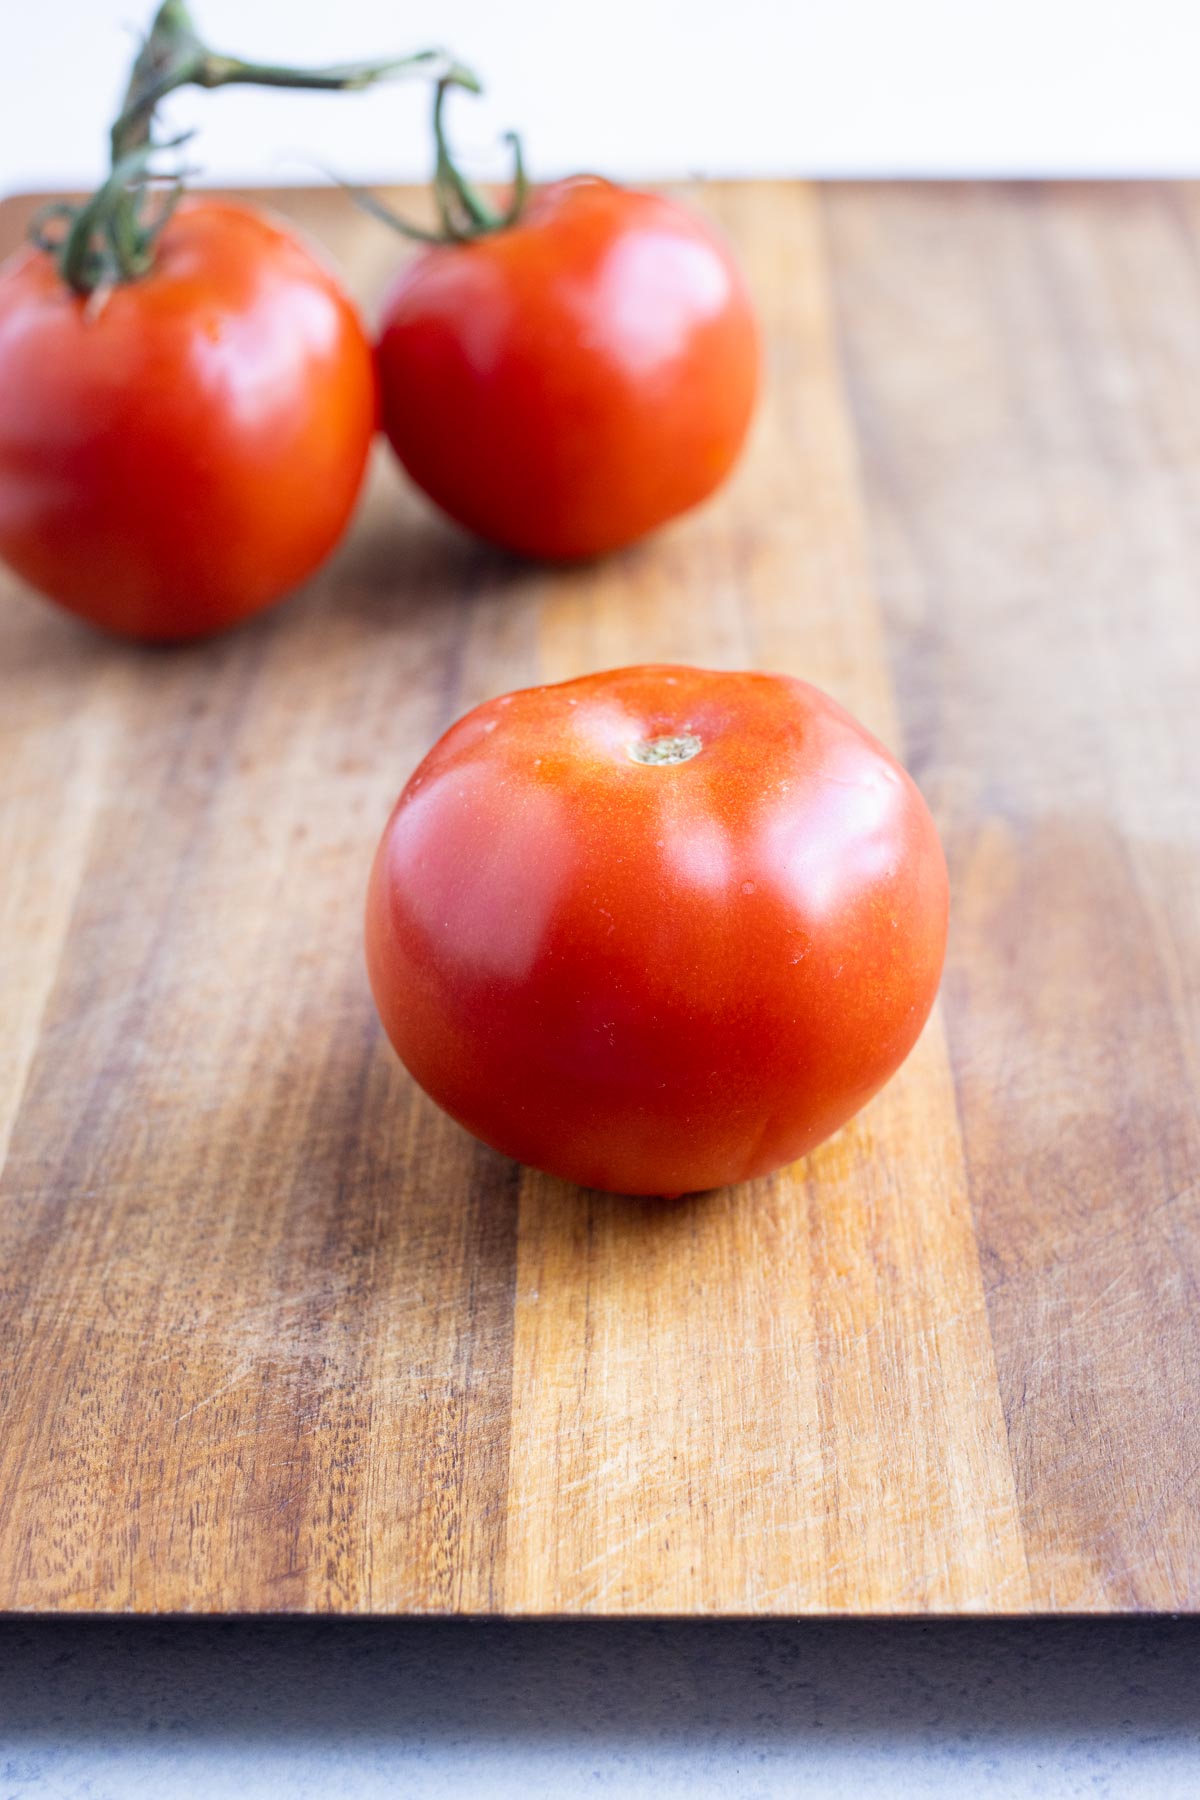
(391, 557)
(578, 1234)
(399, 547)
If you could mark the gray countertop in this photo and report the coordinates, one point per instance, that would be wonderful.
(109, 1709)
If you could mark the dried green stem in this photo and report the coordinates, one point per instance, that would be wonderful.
(113, 236)
(463, 212)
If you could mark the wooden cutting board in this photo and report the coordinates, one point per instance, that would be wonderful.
(278, 1336)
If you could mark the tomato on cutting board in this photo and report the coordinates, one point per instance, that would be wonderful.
(658, 929)
(565, 375)
(190, 449)
(565, 385)
(187, 397)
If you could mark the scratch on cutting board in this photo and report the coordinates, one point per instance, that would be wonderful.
(217, 1394)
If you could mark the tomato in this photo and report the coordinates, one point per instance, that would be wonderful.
(566, 385)
(182, 450)
(659, 929)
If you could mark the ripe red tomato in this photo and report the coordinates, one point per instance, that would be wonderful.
(183, 450)
(566, 385)
(659, 929)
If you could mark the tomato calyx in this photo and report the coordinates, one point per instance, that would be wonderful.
(113, 236)
(463, 212)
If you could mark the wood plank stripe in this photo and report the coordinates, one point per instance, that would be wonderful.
(1027, 388)
(846, 1293)
(57, 730)
(258, 1289)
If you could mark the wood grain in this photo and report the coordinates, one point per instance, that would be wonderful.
(1025, 369)
(278, 1336)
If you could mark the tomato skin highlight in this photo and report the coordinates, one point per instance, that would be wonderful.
(567, 385)
(654, 978)
(187, 448)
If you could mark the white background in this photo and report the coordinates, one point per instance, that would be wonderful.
(647, 87)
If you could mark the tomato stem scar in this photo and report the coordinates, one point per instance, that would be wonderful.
(665, 749)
